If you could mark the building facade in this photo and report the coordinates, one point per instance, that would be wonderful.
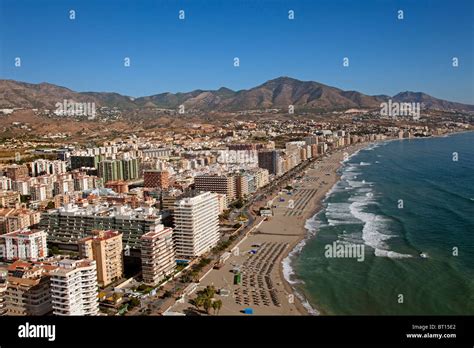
(24, 244)
(157, 254)
(74, 288)
(196, 225)
(105, 248)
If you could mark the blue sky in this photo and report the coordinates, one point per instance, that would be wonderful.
(386, 55)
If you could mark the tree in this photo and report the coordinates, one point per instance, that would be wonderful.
(134, 302)
(207, 303)
(217, 305)
(167, 294)
(197, 302)
(50, 205)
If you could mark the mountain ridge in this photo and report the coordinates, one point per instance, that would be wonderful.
(276, 93)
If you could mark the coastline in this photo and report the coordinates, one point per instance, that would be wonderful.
(286, 230)
(301, 302)
(305, 307)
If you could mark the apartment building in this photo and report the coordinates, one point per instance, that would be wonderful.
(3, 289)
(157, 153)
(68, 224)
(44, 166)
(24, 244)
(196, 224)
(119, 186)
(271, 161)
(5, 183)
(16, 172)
(218, 184)
(39, 192)
(9, 198)
(157, 255)
(28, 289)
(74, 288)
(242, 189)
(12, 219)
(261, 177)
(105, 248)
(156, 179)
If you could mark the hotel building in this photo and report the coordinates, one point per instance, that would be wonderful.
(216, 183)
(196, 225)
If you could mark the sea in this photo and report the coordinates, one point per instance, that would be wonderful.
(407, 206)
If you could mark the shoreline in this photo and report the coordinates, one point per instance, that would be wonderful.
(310, 309)
(301, 301)
(272, 244)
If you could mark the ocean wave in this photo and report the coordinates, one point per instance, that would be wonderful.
(339, 214)
(364, 163)
(371, 234)
(390, 254)
(357, 184)
(311, 225)
(307, 305)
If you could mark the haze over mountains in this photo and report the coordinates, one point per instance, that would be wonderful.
(277, 93)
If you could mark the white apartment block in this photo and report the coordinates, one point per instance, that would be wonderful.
(157, 153)
(43, 166)
(74, 288)
(39, 192)
(25, 244)
(21, 186)
(157, 254)
(196, 224)
(5, 183)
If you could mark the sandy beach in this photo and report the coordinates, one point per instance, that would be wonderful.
(259, 256)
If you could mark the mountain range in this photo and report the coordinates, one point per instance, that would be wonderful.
(277, 93)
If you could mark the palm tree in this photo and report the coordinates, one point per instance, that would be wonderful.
(217, 305)
(197, 302)
(207, 304)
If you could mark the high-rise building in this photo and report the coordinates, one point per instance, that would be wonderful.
(44, 166)
(130, 169)
(39, 192)
(260, 176)
(5, 183)
(24, 244)
(16, 172)
(242, 185)
(3, 290)
(111, 170)
(66, 225)
(216, 183)
(105, 248)
(157, 254)
(270, 160)
(196, 224)
(28, 289)
(156, 179)
(74, 289)
(85, 161)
